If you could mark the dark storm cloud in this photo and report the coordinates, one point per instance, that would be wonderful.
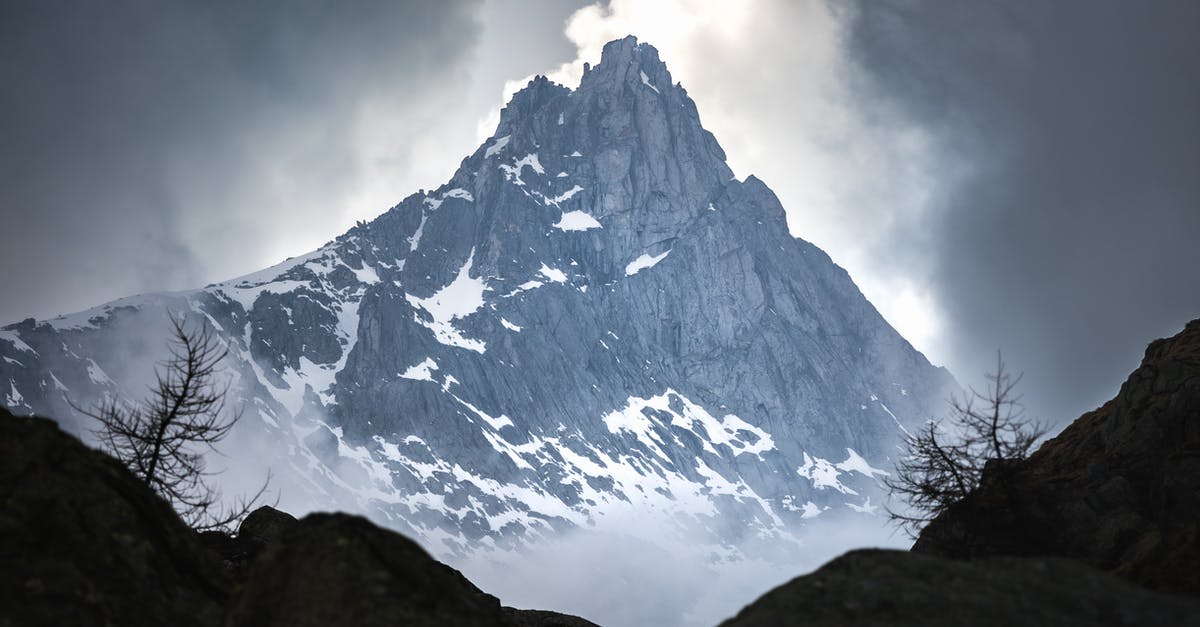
(1075, 237)
(156, 145)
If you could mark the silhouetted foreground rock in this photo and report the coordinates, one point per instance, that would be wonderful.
(1118, 489)
(876, 587)
(82, 542)
(335, 568)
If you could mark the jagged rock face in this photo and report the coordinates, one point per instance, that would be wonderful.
(1119, 488)
(592, 321)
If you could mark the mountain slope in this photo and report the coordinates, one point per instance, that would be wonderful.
(592, 323)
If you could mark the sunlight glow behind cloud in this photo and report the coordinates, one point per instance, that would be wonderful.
(775, 82)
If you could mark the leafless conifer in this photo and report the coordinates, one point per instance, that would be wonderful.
(944, 463)
(163, 438)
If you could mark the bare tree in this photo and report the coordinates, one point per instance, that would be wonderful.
(163, 439)
(945, 463)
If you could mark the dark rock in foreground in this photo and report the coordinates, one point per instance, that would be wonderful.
(83, 542)
(1118, 489)
(877, 587)
(340, 569)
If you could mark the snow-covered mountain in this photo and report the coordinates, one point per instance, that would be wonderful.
(592, 322)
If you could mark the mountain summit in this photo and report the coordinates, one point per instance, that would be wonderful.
(593, 322)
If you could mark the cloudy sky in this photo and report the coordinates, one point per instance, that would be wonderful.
(1021, 176)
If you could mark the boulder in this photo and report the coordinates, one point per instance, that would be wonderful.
(264, 525)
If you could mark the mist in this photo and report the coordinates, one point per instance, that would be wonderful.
(646, 576)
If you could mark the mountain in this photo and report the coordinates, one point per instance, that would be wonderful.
(592, 324)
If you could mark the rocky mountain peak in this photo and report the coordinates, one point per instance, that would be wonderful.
(528, 102)
(623, 62)
(591, 322)
(627, 124)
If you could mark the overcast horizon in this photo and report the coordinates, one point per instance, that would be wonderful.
(1023, 178)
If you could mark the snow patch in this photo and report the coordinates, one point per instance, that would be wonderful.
(643, 262)
(15, 340)
(577, 221)
(97, 374)
(646, 82)
(14, 398)
(414, 240)
(513, 172)
(524, 287)
(461, 298)
(564, 196)
(855, 463)
(553, 274)
(822, 474)
(494, 422)
(510, 326)
(366, 274)
(459, 192)
(276, 271)
(422, 371)
(496, 146)
(635, 418)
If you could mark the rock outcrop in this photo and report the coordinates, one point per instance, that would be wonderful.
(1118, 489)
(900, 588)
(1098, 527)
(83, 542)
